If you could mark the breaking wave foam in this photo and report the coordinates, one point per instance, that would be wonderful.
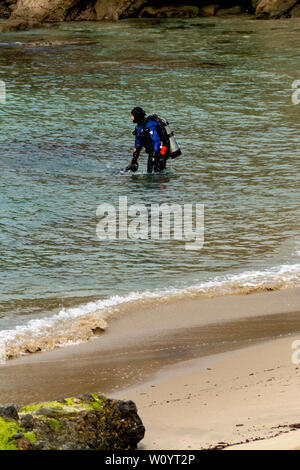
(80, 324)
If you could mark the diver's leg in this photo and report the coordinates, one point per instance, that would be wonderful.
(150, 163)
(160, 163)
(163, 163)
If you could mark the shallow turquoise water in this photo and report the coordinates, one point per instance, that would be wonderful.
(225, 85)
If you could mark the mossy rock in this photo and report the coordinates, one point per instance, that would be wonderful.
(88, 422)
(11, 435)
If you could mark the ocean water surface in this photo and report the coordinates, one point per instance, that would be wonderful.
(225, 85)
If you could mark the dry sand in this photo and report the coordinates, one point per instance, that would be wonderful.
(201, 371)
(230, 398)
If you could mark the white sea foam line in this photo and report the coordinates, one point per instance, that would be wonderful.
(285, 274)
(43, 326)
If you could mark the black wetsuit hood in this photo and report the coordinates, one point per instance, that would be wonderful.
(139, 115)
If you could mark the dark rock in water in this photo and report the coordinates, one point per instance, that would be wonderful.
(89, 422)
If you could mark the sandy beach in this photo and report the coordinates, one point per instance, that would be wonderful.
(204, 372)
(246, 399)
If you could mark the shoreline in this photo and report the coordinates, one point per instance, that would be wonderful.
(168, 344)
(81, 322)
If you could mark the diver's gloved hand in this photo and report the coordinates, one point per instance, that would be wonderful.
(134, 166)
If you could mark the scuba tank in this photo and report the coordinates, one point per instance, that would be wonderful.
(166, 136)
(174, 147)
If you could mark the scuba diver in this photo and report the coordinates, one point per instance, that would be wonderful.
(154, 134)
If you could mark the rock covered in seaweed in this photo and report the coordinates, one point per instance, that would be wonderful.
(89, 422)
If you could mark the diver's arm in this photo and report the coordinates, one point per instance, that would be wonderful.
(138, 145)
(134, 166)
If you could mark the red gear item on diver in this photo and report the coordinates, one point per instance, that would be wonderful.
(163, 150)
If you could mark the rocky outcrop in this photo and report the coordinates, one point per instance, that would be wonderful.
(237, 10)
(115, 9)
(4, 10)
(88, 422)
(273, 8)
(30, 12)
(295, 12)
(62, 10)
(43, 10)
(208, 10)
(7, 7)
(170, 11)
(18, 25)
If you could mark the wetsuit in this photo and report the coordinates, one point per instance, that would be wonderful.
(146, 135)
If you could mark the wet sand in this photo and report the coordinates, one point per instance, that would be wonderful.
(170, 338)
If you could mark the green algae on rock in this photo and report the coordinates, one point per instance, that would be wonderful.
(91, 421)
(12, 435)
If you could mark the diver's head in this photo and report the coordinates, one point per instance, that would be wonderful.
(138, 115)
